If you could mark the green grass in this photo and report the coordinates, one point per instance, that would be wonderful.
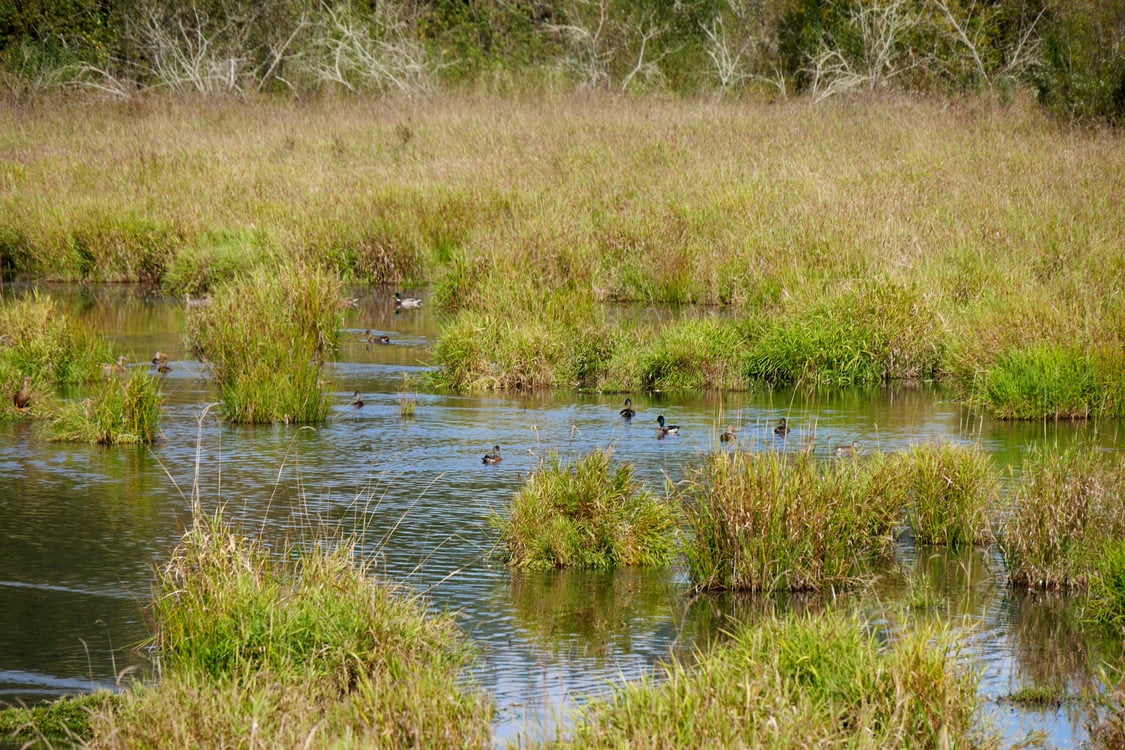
(820, 680)
(1065, 514)
(960, 241)
(265, 337)
(768, 522)
(951, 491)
(286, 646)
(589, 514)
(1037, 697)
(61, 723)
(121, 410)
(39, 339)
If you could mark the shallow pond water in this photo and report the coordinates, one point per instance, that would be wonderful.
(83, 526)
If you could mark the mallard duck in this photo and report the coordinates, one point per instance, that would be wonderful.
(401, 301)
(357, 402)
(22, 397)
(782, 428)
(493, 457)
(160, 361)
(118, 366)
(729, 435)
(628, 412)
(847, 450)
(663, 429)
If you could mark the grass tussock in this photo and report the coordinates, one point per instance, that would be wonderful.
(822, 680)
(950, 491)
(589, 514)
(768, 522)
(294, 646)
(407, 397)
(1065, 518)
(64, 722)
(1045, 381)
(38, 339)
(122, 410)
(265, 337)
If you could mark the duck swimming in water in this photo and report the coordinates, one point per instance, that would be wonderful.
(628, 412)
(401, 301)
(357, 402)
(493, 457)
(844, 451)
(782, 428)
(663, 428)
(729, 435)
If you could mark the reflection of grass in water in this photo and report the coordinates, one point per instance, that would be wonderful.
(597, 612)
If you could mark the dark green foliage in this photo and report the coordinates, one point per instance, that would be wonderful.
(1054, 382)
(1082, 74)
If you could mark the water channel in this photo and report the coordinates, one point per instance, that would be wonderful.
(81, 527)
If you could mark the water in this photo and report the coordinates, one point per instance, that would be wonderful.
(83, 526)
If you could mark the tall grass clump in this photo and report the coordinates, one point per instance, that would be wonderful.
(1066, 514)
(212, 259)
(122, 410)
(407, 399)
(819, 680)
(291, 647)
(875, 333)
(685, 355)
(62, 723)
(40, 340)
(768, 522)
(1044, 381)
(949, 491)
(589, 514)
(266, 336)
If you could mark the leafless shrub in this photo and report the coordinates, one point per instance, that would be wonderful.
(741, 47)
(603, 45)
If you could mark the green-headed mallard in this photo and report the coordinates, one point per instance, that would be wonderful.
(782, 428)
(401, 301)
(628, 412)
(844, 451)
(663, 428)
(357, 402)
(729, 435)
(493, 457)
(22, 397)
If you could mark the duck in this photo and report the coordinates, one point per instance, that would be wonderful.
(782, 428)
(663, 429)
(375, 338)
(118, 366)
(729, 435)
(160, 361)
(401, 301)
(847, 450)
(192, 302)
(357, 402)
(22, 397)
(493, 457)
(628, 412)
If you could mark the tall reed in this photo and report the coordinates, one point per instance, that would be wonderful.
(770, 522)
(122, 410)
(265, 337)
(1064, 517)
(950, 490)
(294, 646)
(822, 680)
(587, 513)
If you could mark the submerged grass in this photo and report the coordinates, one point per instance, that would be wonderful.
(122, 410)
(266, 336)
(294, 646)
(1065, 519)
(823, 680)
(770, 522)
(589, 514)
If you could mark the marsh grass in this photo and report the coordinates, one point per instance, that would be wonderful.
(294, 645)
(212, 259)
(121, 410)
(1106, 603)
(1065, 517)
(266, 336)
(407, 397)
(64, 722)
(950, 492)
(588, 513)
(821, 680)
(1056, 382)
(40, 340)
(771, 522)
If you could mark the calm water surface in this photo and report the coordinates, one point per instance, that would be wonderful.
(83, 527)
